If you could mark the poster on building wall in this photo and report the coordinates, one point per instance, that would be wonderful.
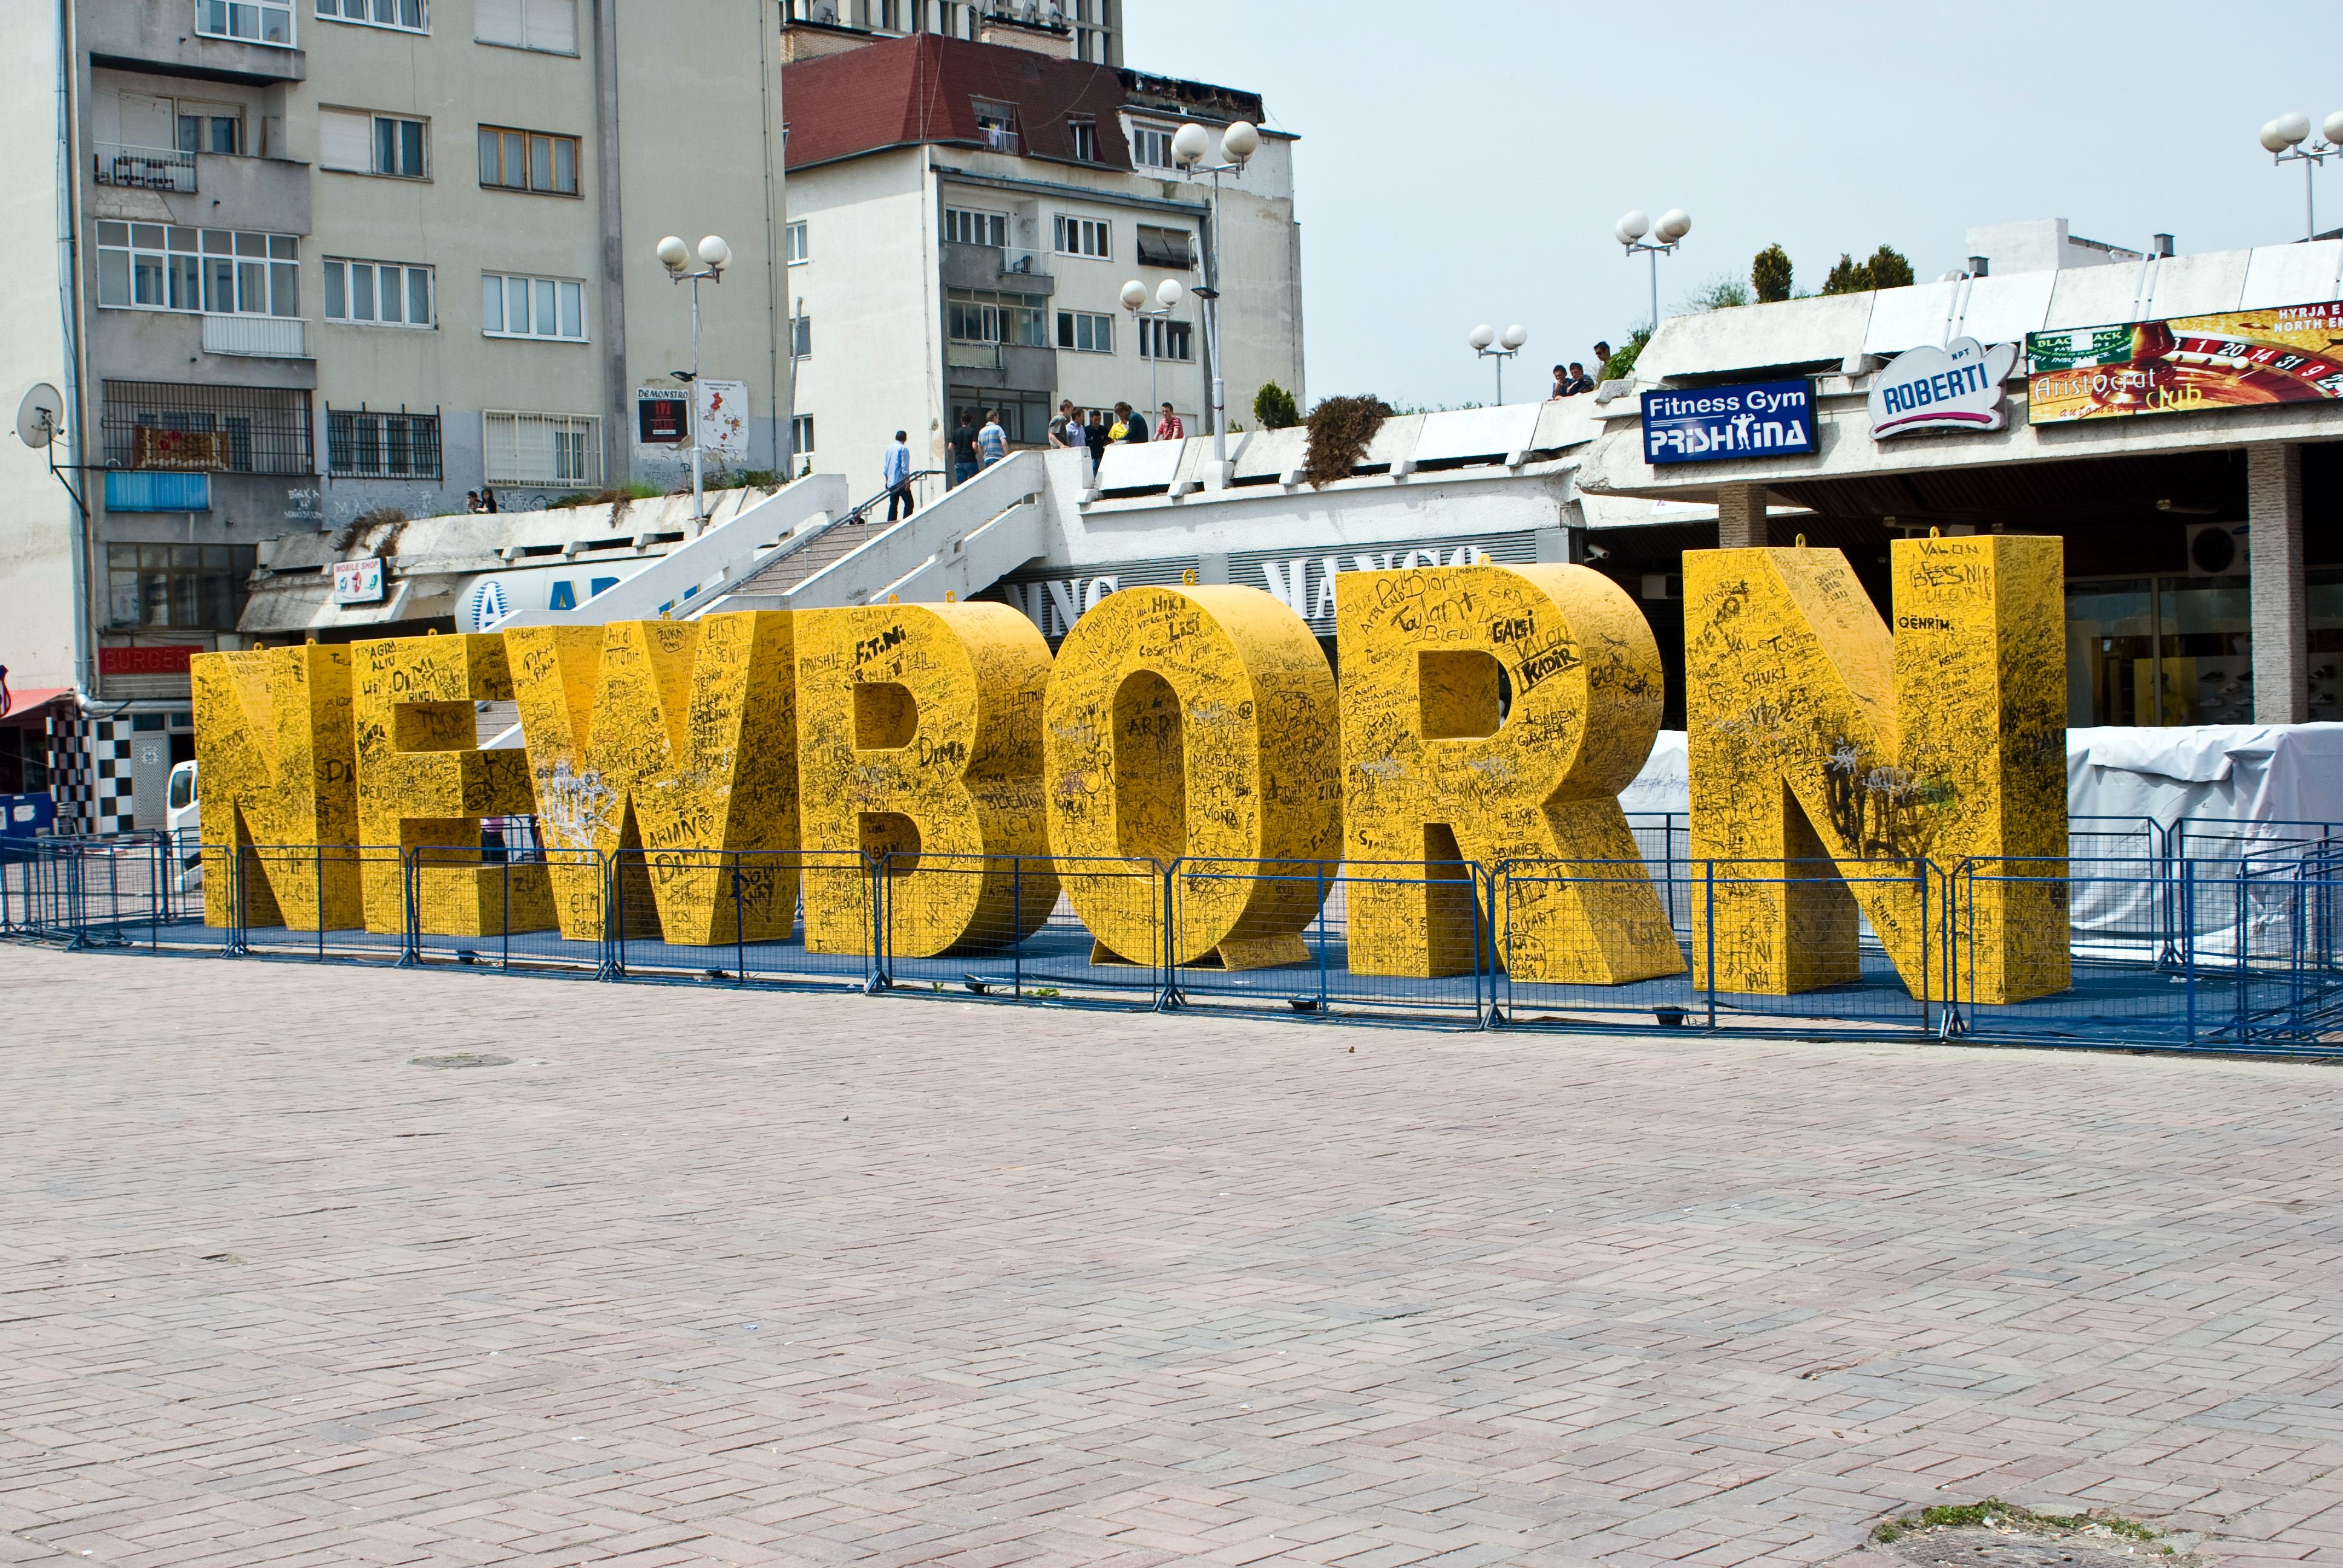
(662, 418)
(724, 417)
(2184, 365)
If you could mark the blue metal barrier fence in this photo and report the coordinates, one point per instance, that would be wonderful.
(2236, 946)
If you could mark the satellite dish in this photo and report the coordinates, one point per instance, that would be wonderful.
(41, 416)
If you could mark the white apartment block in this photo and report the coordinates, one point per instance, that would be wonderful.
(965, 209)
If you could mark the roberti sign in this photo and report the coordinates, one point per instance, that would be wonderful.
(1488, 714)
(1762, 420)
(1956, 388)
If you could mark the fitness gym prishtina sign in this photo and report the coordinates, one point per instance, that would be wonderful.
(1202, 722)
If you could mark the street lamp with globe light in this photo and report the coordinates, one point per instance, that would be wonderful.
(714, 256)
(1507, 345)
(2282, 138)
(1239, 142)
(1168, 295)
(1674, 225)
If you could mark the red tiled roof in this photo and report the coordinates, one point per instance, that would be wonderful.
(922, 88)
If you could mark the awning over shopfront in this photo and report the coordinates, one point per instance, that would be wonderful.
(32, 707)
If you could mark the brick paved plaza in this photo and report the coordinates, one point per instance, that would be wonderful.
(707, 1277)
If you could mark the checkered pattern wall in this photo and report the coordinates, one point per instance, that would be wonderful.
(90, 777)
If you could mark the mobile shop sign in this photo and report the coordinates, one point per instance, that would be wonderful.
(1956, 388)
(2185, 365)
(357, 582)
(1762, 420)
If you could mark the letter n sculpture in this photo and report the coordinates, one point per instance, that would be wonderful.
(280, 807)
(1919, 777)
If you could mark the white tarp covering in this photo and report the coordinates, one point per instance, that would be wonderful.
(2242, 789)
(2269, 775)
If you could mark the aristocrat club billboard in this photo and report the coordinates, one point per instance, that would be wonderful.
(2284, 354)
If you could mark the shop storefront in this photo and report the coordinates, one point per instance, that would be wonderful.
(2192, 462)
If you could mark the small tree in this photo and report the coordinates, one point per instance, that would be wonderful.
(1717, 294)
(1769, 274)
(1273, 408)
(1889, 269)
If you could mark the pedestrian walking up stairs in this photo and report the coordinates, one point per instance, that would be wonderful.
(962, 542)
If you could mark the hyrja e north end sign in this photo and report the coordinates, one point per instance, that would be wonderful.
(2288, 354)
(1956, 388)
(1764, 419)
(738, 765)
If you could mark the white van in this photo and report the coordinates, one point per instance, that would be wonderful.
(184, 819)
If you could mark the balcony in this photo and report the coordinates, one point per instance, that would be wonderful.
(246, 48)
(256, 336)
(145, 168)
(996, 139)
(989, 266)
(972, 355)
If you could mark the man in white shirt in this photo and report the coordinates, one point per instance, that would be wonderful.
(898, 470)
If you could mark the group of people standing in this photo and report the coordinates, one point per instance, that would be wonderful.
(1571, 380)
(974, 447)
(1072, 427)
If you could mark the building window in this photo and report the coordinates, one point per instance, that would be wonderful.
(980, 316)
(1083, 237)
(542, 448)
(363, 444)
(964, 225)
(1085, 333)
(801, 435)
(1150, 146)
(1174, 248)
(548, 26)
(801, 335)
(246, 21)
(366, 144)
(207, 429)
(379, 293)
(1084, 135)
(528, 161)
(1161, 339)
(210, 127)
(407, 15)
(182, 586)
(996, 124)
(223, 272)
(532, 308)
(798, 252)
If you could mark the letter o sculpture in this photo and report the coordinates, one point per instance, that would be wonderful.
(1195, 725)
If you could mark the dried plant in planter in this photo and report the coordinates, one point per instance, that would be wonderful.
(1339, 431)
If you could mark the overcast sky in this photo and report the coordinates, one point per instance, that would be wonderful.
(1463, 163)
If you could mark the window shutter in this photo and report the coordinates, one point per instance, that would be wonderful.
(345, 140)
(500, 22)
(553, 25)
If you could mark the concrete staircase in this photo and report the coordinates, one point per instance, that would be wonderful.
(964, 541)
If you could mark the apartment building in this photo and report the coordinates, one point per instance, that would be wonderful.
(1093, 28)
(966, 207)
(301, 261)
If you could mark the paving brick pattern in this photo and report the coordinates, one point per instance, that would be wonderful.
(707, 1277)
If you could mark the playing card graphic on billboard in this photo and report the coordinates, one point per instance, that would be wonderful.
(2288, 353)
